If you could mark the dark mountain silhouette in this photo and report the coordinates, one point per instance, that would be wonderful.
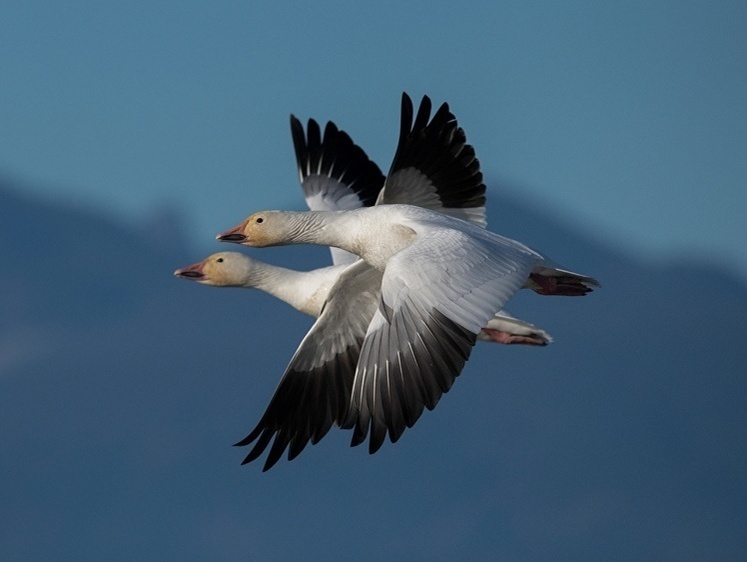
(121, 389)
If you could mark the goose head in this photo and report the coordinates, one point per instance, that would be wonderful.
(267, 228)
(224, 269)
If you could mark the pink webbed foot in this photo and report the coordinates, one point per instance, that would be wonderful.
(507, 338)
(567, 286)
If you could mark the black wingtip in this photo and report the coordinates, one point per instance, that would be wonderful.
(360, 431)
(249, 438)
(357, 438)
(377, 437)
(336, 156)
(424, 113)
(438, 149)
(405, 121)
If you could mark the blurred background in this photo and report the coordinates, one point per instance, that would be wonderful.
(612, 137)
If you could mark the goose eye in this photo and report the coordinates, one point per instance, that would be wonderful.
(219, 260)
(260, 219)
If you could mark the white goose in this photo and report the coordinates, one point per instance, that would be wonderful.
(307, 291)
(437, 280)
(315, 390)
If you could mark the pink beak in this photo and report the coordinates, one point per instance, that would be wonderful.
(236, 234)
(193, 271)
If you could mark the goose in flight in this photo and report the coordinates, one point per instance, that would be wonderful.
(307, 291)
(426, 285)
(316, 389)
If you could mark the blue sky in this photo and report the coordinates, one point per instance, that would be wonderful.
(628, 119)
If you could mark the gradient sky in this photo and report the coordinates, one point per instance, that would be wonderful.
(628, 119)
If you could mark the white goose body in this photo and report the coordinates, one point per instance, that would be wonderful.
(307, 291)
(426, 285)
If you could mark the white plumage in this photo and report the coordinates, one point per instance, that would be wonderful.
(441, 279)
(395, 328)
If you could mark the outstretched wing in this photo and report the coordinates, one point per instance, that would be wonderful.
(436, 295)
(434, 167)
(335, 173)
(314, 392)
